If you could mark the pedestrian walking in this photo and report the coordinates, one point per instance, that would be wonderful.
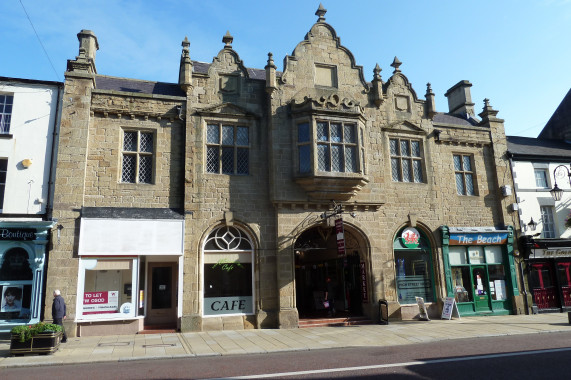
(59, 312)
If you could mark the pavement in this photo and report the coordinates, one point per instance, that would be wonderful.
(118, 348)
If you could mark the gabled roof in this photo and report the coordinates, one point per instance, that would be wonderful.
(538, 149)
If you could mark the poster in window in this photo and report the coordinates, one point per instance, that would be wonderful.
(101, 302)
(11, 299)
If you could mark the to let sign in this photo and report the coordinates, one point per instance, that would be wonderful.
(101, 302)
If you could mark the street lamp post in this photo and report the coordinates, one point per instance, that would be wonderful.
(556, 192)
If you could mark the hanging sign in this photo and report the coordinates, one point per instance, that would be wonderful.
(364, 296)
(340, 237)
(450, 308)
(410, 237)
(422, 312)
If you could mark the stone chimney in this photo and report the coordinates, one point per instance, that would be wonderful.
(460, 100)
(88, 46)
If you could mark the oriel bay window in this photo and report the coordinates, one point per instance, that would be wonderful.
(335, 146)
(228, 272)
(227, 149)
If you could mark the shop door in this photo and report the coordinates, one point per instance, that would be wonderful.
(544, 291)
(481, 289)
(162, 290)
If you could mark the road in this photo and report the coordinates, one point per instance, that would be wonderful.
(536, 356)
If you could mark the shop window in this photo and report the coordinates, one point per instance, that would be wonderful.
(464, 174)
(137, 165)
(413, 266)
(105, 288)
(15, 285)
(227, 149)
(6, 102)
(406, 160)
(228, 272)
(465, 285)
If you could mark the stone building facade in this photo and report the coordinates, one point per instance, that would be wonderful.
(225, 200)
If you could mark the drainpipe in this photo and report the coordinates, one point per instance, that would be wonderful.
(524, 289)
(55, 134)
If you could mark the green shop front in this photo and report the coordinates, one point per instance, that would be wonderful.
(479, 269)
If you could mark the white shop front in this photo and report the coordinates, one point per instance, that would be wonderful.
(129, 273)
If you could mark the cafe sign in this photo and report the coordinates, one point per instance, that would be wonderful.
(492, 238)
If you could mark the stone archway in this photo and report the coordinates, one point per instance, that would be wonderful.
(316, 258)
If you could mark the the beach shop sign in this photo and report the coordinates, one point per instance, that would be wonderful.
(489, 238)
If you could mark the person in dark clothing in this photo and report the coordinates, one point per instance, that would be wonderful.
(330, 297)
(59, 311)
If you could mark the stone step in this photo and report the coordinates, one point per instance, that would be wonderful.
(341, 321)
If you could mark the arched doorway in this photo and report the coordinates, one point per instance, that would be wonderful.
(316, 259)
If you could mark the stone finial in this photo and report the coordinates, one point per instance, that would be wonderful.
(320, 13)
(377, 72)
(396, 64)
(429, 89)
(270, 74)
(227, 39)
(377, 86)
(185, 69)
(271, 60)
(430, 103)
(489, 112)
(185, 47)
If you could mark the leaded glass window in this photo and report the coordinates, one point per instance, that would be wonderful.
(406, 160)
(227, 149)
(464, 174)
(137, 160)
(337, 147)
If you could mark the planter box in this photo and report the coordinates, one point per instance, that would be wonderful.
(43, 343)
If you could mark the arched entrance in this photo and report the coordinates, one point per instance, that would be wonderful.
(316, 259)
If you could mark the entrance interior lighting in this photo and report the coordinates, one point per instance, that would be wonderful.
(556, 192)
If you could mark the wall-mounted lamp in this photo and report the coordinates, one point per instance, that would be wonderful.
(437, 133)
(27, 163)
(556, 192)
(532, 225)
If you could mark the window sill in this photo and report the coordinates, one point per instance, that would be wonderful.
(6, 136)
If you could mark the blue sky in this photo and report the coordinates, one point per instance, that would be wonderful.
(517, 53)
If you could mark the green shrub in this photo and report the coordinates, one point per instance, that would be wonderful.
(26, 332)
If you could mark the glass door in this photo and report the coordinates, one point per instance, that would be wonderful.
(481, 289)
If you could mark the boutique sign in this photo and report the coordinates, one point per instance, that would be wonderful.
(492, 238)
(17, 234)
